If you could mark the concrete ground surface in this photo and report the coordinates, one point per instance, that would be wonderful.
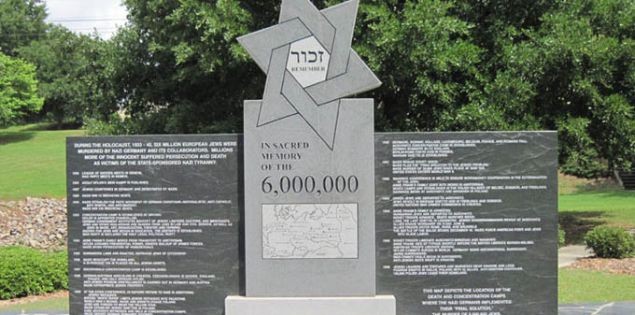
(612, 308)
(49, 306)
(58, 307)
(569, 254)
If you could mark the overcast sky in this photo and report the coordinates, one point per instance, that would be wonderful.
(84, 16)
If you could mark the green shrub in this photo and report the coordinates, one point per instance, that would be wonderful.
(561, 236)
(610, 242)
(578, 152)
(58, 269)
(114, 126)
(26, 271)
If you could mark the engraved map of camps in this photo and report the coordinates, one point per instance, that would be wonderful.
(310, 231)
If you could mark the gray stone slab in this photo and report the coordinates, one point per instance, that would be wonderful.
(260, 44)
(322, 119)
(342, 16)
(467, 222)
(357, 79)
(274, 105)
(311, 17)
(376, 305)
(154, 223)
(308, 237)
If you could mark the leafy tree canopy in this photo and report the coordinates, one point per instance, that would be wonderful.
(21, 21)
(18, 89)
(73, 72)
(446, 65)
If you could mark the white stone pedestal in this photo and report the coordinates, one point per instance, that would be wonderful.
(378, 305)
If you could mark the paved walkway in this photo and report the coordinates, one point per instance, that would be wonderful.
(613, 308)
(569, 254)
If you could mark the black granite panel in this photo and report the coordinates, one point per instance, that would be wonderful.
(154, 223)
(467, 222)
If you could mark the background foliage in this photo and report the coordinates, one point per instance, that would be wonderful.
(21, 21)
(446, 65)
(74, 75)
(18, 90)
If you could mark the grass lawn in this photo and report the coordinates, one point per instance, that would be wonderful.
(33, 161)
(587, 286)
(615, 208)
(584, 204)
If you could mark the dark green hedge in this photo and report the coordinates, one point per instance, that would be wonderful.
(26, 271)
(610, 242)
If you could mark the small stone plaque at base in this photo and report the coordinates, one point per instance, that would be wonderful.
(377, 305)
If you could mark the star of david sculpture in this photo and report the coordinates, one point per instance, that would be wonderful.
(310, 65)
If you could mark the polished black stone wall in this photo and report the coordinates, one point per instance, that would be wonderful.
(467, 222)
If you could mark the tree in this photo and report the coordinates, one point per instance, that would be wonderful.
(574, 67)
(424, 57)
(445, 65)
(21, 21)
(565, 65)
(18, 90)
(73, 74)
(178, 67)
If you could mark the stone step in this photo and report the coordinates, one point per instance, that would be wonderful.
(628, 179)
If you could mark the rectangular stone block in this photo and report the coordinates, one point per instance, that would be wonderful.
(377, 305)
(310, 205)
(154, 224)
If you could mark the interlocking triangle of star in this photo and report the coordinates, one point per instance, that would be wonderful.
(347, 74)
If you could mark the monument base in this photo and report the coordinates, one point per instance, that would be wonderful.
(377, 305)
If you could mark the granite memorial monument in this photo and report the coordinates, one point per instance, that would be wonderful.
(309, 173)
(310, 211)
